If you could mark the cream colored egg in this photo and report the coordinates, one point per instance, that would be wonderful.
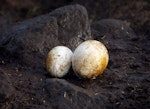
(58, 61)
(90, 59)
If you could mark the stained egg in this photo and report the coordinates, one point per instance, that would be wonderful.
(90, 59)
(58, 61)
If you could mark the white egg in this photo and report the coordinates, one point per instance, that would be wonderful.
(90, 59)
(58, 61)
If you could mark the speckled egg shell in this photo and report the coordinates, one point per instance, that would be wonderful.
(58, 61)
(90, 59)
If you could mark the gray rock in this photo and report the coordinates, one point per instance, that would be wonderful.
(63, 94)
(73, 25)
(30, 41)
(6, 90)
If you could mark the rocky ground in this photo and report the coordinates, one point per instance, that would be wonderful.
(123, 27)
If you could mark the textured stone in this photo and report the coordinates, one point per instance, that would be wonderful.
(29, 41)
(107, 29)
(63, 94)
(73, 25)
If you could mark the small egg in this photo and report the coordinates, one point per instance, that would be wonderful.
(58, 61)
(90, 59)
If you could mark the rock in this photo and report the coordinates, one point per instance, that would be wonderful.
(73, 25)
(6, 90)
(116, 28)
(119, 39)
(63, 94)
(30, 41)
(107, 30)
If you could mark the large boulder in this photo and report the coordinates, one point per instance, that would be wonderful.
(30, 41)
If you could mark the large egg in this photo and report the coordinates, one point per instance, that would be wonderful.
(58, 61)
(90, 59)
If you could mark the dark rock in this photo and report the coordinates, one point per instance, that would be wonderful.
(63, 94)
(73, 25)
(125, 71)
(115, 34)
(116, 28)
(6, 90)
(30, 41)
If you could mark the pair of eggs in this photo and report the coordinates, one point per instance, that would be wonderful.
(88, 61)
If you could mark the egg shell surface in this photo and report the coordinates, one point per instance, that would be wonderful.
(58, 61)
(90, 59)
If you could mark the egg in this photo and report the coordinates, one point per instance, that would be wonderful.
(58, 61)
(90, 59)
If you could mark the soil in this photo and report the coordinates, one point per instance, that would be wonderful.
(126, 80)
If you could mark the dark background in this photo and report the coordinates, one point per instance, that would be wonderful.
(137, 12)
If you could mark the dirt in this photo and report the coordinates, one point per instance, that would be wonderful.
(124, 84)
